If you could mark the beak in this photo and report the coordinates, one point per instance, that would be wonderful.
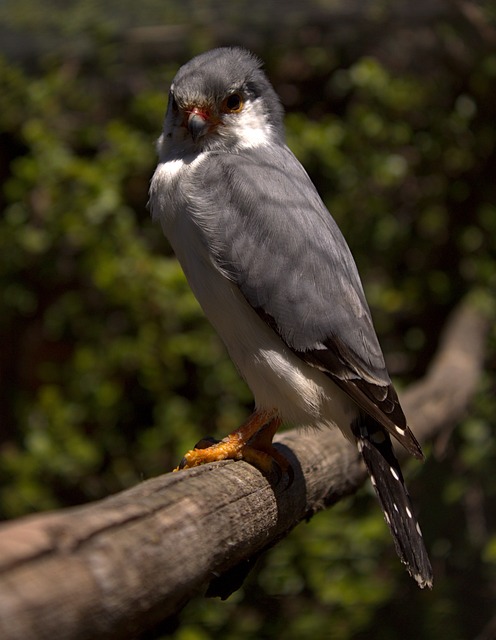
(198, 123)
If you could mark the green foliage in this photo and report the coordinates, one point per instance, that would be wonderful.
(109, 343)
(109, 372)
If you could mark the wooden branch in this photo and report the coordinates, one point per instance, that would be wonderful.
(436, 403)
(114, 568)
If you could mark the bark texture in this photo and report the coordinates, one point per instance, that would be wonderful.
(114, 568)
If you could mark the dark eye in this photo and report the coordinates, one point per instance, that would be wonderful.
(233, 103)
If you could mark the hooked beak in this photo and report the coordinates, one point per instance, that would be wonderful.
(198, 123)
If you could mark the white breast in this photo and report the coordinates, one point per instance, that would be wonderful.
(277, 377)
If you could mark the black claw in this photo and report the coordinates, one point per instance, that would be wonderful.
(206, 442)
(276, 468)
(291, 476)
(288, 472)
(182, 464)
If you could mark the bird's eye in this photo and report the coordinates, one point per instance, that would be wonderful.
(233, 103)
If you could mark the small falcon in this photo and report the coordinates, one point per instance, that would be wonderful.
(276, 279)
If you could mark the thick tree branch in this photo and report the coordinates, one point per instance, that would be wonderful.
(116, 567)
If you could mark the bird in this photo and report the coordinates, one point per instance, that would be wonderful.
(276, 279)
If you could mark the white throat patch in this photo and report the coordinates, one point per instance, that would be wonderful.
(251, 127)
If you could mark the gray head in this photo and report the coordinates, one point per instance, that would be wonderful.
(221, 100)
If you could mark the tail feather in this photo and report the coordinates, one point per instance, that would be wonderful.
(376, 449)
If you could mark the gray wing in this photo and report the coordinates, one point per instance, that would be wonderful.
(276, 240)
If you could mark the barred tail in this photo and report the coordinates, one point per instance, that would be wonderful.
(374, 444)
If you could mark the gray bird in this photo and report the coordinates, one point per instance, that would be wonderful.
(276, 279)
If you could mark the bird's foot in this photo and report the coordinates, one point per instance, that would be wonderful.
(252, 442)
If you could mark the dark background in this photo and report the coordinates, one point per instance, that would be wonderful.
(108, 370)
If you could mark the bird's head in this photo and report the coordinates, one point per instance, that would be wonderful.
(221, 100)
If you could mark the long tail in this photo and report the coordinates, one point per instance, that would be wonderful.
(374, 444)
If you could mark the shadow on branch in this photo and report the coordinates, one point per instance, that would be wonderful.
(114, 568)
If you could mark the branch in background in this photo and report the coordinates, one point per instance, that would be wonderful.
(114, 568)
